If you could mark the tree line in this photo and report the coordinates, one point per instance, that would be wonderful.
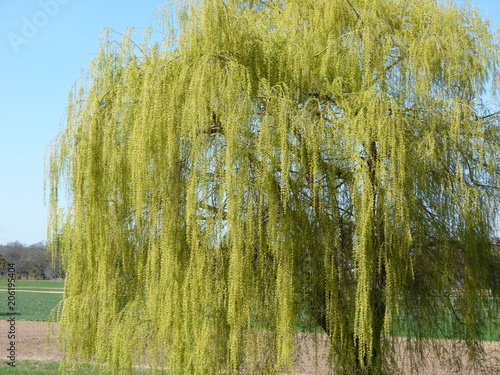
(31, 261)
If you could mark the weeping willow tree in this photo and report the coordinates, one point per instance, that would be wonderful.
(269, 164)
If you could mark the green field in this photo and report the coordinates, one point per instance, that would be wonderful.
(446, 331)
(29, 304)
(32, 368)
(49, 368)
(35, 284)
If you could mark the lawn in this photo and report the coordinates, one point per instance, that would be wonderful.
(49, 368)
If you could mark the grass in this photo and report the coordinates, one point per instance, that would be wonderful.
(31, 367)
(50, 368)
(35, 285)
(30, 306)
(449, 331)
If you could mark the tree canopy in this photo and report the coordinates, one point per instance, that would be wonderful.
(269, 164)
(29, 261)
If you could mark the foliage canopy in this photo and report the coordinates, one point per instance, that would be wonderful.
(274, 162)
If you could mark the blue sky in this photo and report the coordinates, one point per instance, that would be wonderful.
(44, 44)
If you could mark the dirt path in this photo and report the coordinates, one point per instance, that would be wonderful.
(33, 287)
(31, 344)
(35, 291)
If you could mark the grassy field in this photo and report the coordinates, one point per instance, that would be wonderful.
(447, 332)
(29, 304)
(36, 285)
(50, 368)
(32, 367)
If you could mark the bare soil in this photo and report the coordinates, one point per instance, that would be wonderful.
(32, 343)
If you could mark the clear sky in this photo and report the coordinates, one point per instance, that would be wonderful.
(44, 44)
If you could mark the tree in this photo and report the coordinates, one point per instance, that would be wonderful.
(40, 262)
(15, 253)
(3, 265)
(33, 260)
(330, 161)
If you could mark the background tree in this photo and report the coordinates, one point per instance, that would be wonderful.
(330, 161)
(30, 261)
(40, 261)
(3, 265)
(14, 252)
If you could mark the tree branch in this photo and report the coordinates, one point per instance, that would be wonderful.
(490, 115)
(354, 9)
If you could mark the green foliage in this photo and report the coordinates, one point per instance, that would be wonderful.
(275, 159)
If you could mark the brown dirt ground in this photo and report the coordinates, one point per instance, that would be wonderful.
(31, 340)
(31, 343)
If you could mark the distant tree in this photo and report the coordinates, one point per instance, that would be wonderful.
(332, 160)
(13, 253)
(30, 261)
(3, 264)
(40, 259)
